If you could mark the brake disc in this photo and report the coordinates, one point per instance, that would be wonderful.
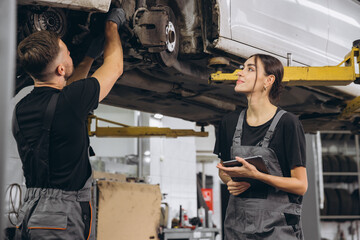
(169, 55)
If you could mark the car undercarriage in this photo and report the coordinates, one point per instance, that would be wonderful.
(167, 49)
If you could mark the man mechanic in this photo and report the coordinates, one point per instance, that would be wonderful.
(49, 125)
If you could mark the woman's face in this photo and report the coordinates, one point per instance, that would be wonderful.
(247, 77)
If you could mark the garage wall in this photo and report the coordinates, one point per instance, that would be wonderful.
(114, 147)
(172, 160)
(173, 166)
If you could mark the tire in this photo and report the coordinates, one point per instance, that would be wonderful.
(355, 202)
(352, 168)
(345, 202)
(323, 212)
(343, 167)
(334, 168)
(326, 167)
(333, 202)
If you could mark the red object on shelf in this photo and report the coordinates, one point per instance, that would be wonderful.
(208, 197)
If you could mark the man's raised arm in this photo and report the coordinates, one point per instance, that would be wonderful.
(112, 67)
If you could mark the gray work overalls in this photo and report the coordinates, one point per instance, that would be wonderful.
(254, 218)
(49, 213)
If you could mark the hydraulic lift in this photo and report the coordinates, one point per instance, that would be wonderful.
(342, 74)
(130, 131)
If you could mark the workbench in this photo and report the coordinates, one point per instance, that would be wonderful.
(189, 234)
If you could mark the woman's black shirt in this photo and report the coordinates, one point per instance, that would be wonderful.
(288, 143)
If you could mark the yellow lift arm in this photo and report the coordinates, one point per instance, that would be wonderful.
(316, 76)
(129, 131)
(310, 76)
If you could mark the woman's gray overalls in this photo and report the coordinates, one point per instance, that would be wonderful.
(254, 218)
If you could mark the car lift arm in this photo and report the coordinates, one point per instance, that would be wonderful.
(325, 76)
(129, 131)
(309, 76)
(316, 76)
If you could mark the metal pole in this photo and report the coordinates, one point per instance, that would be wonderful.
(289, 59)
(203, 177)
(310, 213)
(319, 168)
(7, 67)
(140, 147)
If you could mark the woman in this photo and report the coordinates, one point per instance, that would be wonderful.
(267, 206)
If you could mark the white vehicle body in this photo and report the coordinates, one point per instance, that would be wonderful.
(315, 32)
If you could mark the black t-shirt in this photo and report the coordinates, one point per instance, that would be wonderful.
(69, 141)
(288, 143)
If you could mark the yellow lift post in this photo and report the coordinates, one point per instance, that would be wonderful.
(129, 131)
(342, 74)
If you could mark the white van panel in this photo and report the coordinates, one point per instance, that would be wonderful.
(344, 26)
(317, 32)
(224, 12)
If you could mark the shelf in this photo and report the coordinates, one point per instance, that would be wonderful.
(341, 182)
(340, 174)
(340, 217)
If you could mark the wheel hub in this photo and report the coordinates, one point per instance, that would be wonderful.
(170, 37)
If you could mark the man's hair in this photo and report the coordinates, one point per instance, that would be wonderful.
(37, 51)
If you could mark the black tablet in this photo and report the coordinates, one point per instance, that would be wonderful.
(257, 161)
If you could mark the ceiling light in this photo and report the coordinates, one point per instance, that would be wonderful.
(158, 116)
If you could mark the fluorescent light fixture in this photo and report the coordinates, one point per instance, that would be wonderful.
(158, 116)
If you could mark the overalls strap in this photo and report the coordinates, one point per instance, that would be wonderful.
(238, 130)
(270, 131)
(49, 113)
(268, 135)
(35, 158)
(48, 117)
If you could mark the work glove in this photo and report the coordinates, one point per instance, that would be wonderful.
(96, 47)
(116, 15)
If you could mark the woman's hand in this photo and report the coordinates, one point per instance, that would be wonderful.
(236, 188)
(296, 183)
(246, 170)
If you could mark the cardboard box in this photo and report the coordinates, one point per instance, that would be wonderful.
(127, 211)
